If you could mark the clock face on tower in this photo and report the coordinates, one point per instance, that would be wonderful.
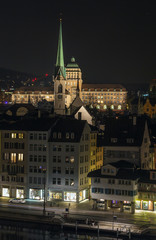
(59, 96)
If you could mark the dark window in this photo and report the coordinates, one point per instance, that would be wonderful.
(59, 181)
(54, 180)
(66, 170)
(66, 181)
(54, 158)
(60, 88)
(44, 158)
(59, 148)
(67, 159)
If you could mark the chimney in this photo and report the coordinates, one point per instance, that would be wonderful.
(39, 113)
(134, 120)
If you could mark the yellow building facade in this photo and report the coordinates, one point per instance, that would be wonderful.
(149, 107)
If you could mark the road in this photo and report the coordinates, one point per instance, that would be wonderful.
(140, 218)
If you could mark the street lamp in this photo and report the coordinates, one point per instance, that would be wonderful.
(44, 203)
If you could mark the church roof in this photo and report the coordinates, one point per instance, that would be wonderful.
(72, 64)
(75, 105)
(59, 68)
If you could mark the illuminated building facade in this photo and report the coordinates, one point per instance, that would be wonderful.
(105, 96)
(13, 163)
(121, 184)
(61, 145)
(128, 138)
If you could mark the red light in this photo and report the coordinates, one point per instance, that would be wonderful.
(33, 80)
(46, 74)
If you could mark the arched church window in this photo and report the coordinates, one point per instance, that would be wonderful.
(60, 88)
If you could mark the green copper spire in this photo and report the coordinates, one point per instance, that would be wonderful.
(60, 69)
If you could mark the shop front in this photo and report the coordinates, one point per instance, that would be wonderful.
(70, 196)
(5, 192)
(114, 204)
(145, 205)
(55, 195)
(138, 204)
(83, 195)
(20, 193)
(126, 205)
(36, 194)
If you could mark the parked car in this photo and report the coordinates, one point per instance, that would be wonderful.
(17, 200)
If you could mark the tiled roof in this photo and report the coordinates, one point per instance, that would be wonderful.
(124, 131)
(15, 107)
(127, 172)
(68, 125)
(35, 89)
(99, 87)
(122, 164)
(38, 124)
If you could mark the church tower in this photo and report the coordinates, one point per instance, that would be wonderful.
(74, 79)
(59, 78)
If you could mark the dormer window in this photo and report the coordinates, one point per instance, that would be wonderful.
(67, 135)
(114, 140)
(54, 135)
(130, 140)
(59, 135)
(72, 135)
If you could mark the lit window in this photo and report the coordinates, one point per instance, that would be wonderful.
(72, 135)
(20, 135)
(72, 159)
(6, 156)
(67, 135)
(71, 182)
(13, 157)
(20, 157)
(13, 135)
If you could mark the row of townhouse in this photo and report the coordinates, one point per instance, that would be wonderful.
(48, 156)
(123, 185)
(129, 138)
(127, 178)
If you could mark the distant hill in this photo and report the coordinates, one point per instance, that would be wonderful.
(13, 79)
(10, 79)
(137, 87)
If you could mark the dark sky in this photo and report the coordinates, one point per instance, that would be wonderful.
(113, 41)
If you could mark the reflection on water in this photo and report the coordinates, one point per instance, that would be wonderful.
(21, 233)
(29, 231)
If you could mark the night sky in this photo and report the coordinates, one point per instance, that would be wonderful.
(113, 41)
